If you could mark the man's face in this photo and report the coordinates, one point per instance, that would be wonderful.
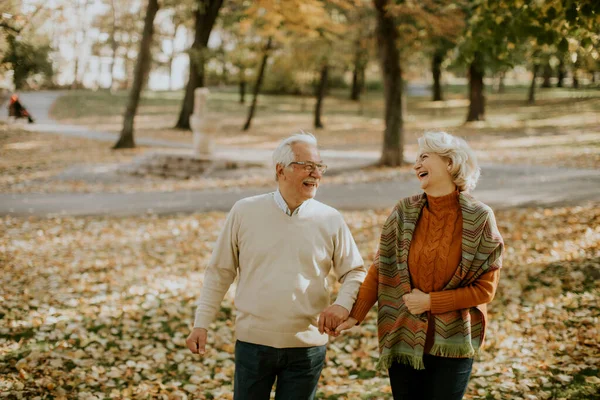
(295, 181)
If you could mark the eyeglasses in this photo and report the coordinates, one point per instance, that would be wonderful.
(310, 166)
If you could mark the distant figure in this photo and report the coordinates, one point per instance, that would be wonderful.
(16, 109)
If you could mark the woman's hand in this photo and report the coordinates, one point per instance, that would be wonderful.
(417, 302)
(349, 323)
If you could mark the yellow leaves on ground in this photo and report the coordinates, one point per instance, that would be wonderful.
(95, 308)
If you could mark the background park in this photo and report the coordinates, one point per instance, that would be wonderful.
(108, 217)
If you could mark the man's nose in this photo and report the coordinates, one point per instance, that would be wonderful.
(316, 173)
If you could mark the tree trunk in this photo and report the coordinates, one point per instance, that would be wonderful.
(320, 95)
(258, 84)
(436, 70)
(575, 80)
(75, 72)
(561, 72)
(142, 67)
(358, 73)
(242, 86)
(501, 86)
(387, 37)
(171, 61)
(476, 97)
(547, 76)
(356, 89)
(206, 15)
(531, 97)
(113, 44)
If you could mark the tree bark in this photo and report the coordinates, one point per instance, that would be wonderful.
(531, 96)
(387, 36)
(258, 84)
(242, 86)
(206, 15)
(113, 44)
(561, 72)
(320, 95)
(501, 86)
(476, 97)
(142, 67)
(547, 76)
(436, 70)
(358, 74)
(171, 61)
(75, 83)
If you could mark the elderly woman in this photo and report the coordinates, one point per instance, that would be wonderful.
(437, 267)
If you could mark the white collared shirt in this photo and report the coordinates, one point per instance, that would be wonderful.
(283, 205)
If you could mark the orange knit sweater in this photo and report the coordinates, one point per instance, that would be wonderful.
(435, 253)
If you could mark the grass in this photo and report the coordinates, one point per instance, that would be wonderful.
(561, 129)
(348, 124)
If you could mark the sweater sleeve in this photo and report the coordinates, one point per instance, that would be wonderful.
(220, 272)
(479, 292)
(348, 266)
(367, 294)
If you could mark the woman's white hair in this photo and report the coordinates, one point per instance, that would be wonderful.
(464, 169)
(284, 153)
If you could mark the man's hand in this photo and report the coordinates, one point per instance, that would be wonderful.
(196, 341)
(331, 317)
(348, 324)
(417, 302)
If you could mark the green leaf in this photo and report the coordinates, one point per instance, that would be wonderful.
(587, 10)
(571, 13)
(563, 46)
(585, 42)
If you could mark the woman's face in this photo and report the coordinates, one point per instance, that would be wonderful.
(432, 171)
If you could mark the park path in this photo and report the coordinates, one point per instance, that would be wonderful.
(501, 186)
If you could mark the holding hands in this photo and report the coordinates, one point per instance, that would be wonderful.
(335, 319)
(331, 317)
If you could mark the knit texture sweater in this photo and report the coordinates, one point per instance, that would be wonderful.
(282, 263)
(454, 254)
(434, 255)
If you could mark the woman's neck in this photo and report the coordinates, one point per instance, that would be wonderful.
(440, 191)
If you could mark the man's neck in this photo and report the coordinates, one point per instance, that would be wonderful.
(292, 205)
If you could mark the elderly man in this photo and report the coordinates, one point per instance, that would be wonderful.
(282, 245)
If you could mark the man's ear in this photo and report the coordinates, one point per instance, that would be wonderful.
(279, 170)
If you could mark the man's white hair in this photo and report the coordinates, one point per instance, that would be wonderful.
(284, 154)
(464, 170)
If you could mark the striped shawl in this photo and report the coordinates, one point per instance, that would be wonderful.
(457, 333)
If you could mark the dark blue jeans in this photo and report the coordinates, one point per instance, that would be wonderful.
(296, 369)
(442, 379)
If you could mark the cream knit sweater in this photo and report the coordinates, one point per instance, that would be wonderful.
(282, 262)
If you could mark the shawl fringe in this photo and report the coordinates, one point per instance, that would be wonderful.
(385, 362)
